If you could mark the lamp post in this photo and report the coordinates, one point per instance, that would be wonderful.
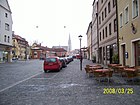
(80, 38)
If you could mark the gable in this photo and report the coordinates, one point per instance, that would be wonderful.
(4, 4)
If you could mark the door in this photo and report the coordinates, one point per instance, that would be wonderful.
(123, 53)
(111, 54)
(137, 53)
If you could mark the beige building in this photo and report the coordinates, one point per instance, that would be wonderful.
(89, 41)
(129, 32)
(107, 28)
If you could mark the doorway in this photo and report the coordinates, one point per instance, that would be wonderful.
(137, 53)
(123, 55)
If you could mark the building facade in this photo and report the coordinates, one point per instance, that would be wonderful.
(89, 41)
(95, 43)
(20, 50)
(5, 32)
(107, 29)
(129, 32)
(36, 51)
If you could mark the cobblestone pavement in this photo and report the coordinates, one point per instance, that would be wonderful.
(71, 86)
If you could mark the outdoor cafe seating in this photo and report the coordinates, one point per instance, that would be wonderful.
(126, 72)
(90, 68)
(103, 74)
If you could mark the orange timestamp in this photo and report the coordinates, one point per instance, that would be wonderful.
(118, 91)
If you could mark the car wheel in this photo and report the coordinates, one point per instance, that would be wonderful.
(45, 71)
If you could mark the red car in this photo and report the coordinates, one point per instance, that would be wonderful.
(52, 63)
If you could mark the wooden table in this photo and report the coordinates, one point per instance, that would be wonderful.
(95, 67)
(114, 66)
(119, 69)
(130, 72)
(103, 73)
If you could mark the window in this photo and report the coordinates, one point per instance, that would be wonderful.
(7, 27)
(115, 25)
(100, 36)
(101, 1)
(114, 3)
(102, 16)
(106, 31)
(8, 39)
(103, 33)
(126, 15)
(135, 8)
(6, 15)
(99, 20)
(105, 13)
(110, 29)
(104, 52)
(4, 38)
(109, 8)
(121, 20)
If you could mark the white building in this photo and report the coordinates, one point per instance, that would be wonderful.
(94, 36)
(5, 32)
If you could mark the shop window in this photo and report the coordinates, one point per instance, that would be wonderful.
(108, 52)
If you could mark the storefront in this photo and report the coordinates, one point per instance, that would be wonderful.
(5, 54)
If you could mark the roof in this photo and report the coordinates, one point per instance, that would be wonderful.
(4, 4)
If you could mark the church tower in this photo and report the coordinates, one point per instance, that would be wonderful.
(69, 44)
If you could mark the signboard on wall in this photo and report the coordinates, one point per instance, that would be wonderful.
(126, 55)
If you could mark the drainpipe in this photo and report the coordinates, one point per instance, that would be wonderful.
(117, 31)
(91, 42)
(97, 34)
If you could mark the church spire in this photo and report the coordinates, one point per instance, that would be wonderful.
(69, 44)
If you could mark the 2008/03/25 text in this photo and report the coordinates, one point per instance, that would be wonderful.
(118, 91)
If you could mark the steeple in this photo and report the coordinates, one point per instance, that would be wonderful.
(69, 44)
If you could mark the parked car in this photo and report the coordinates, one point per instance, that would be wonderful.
(63, 61)
(52, 63)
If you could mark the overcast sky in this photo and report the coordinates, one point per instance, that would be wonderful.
(51, 16)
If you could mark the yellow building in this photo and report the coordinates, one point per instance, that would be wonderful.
(129, 31)
(20, 48)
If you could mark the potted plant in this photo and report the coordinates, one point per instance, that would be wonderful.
(115, 58)
(93, 58)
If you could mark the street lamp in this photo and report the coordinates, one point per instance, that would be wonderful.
(80, 38)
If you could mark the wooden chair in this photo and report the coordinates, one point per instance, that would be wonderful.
(99, 75)
(109, 74)
(131, 75)
(88, 70)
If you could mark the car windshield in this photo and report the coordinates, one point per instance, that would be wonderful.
(51, 59)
